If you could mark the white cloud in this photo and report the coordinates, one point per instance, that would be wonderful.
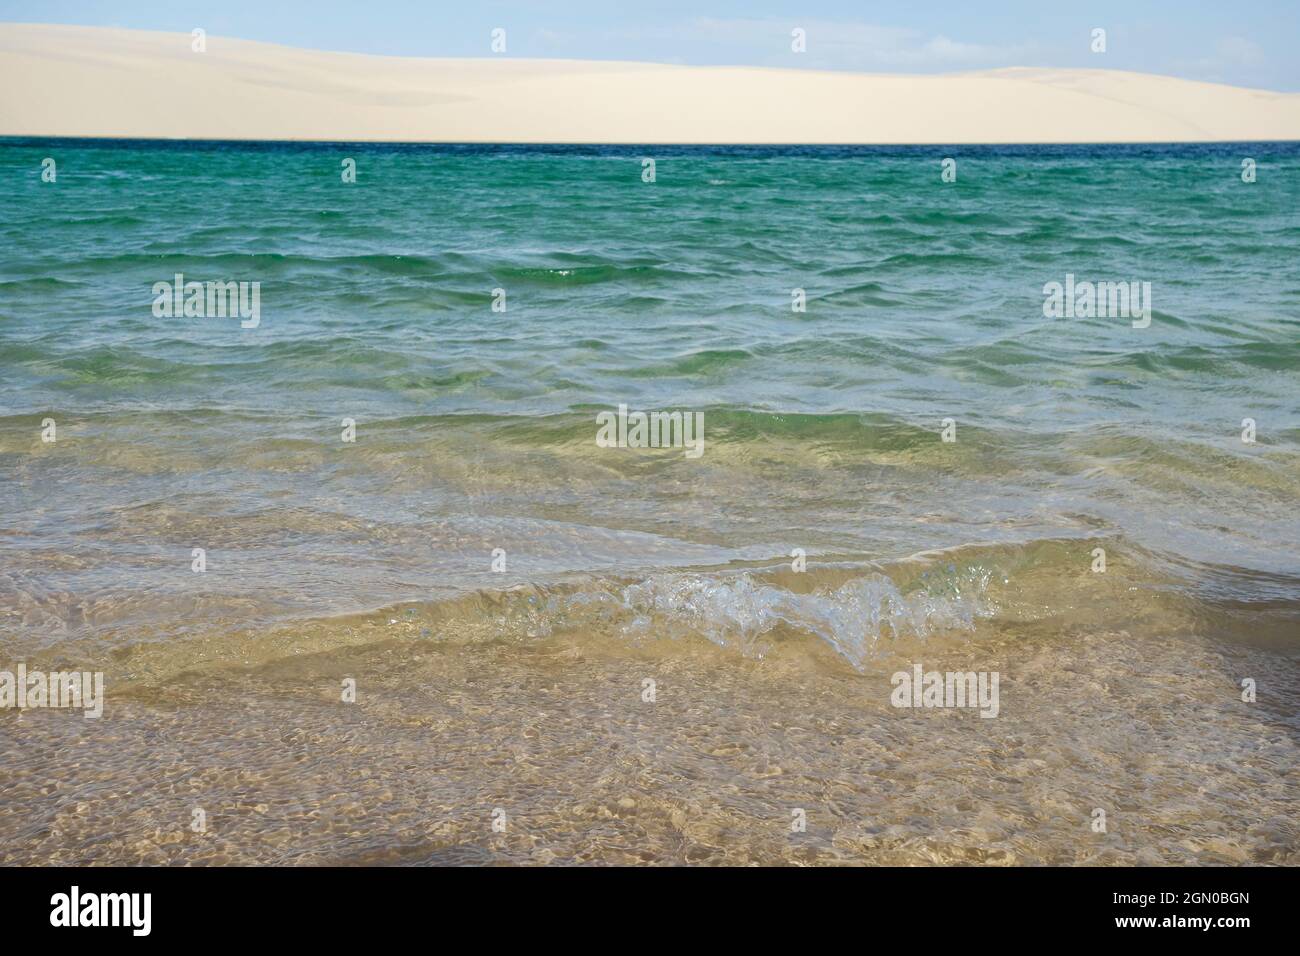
(1238, 51)
(1234, 60)
(858, 46)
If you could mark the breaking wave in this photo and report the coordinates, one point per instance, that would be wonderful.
(851, 618)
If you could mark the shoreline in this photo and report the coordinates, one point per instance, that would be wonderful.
(19, 140)
(441, 737)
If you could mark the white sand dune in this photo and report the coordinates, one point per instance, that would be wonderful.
(90, 81)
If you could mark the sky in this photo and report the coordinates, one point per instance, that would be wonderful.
(1243, 43)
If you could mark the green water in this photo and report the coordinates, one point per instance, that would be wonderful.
(499, 583)
(476, 427)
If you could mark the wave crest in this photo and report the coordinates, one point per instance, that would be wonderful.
(738, 611)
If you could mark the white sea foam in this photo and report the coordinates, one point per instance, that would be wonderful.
(735, 611)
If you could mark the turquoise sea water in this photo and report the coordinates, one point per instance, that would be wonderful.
(476, 428)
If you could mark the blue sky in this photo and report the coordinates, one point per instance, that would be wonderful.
(1247, 44)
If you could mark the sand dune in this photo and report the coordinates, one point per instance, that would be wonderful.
(88, 81)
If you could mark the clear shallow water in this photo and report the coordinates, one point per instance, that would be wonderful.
(476, 428)
(476, 431)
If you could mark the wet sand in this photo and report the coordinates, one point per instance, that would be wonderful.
(555, 734)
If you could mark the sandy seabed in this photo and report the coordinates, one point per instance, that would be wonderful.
(556, 739)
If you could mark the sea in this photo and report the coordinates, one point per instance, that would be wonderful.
(502, 433)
